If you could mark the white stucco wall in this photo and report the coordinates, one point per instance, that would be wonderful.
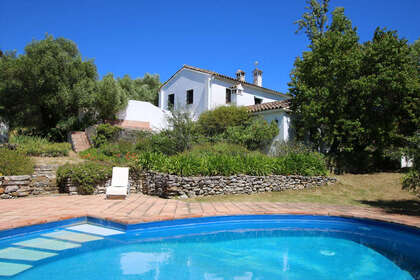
(145, 112)
(247, 97)
(185, 80)
(218, 94)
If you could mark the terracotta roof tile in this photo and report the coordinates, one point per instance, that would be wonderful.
(282, 104)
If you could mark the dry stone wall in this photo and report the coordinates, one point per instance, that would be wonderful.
(168, 186)
(134, 181)
(41, 182)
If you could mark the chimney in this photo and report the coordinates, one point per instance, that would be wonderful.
(240, 75)
(257, 77)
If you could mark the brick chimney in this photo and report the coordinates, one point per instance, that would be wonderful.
(240, 75)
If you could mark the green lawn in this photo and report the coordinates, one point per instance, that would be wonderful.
(378, 190)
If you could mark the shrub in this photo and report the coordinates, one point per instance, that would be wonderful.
(282, 148)
(181, 136)
(255, 136)
(14, 163)
(411, 181)
(105, 133)
(218, 149)
(211, 123)
(114, 153)
(85, 175)
(38, 146)
(309, 164)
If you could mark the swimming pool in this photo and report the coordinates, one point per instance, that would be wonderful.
(233, 247)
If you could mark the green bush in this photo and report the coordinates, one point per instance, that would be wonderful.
(85, 175)
(411, 181)
(211, 123)
(255, 136)
(105, 133)
(159, 143)
(282, 148)
(112, 153)
(182, 135)
(15, 163)
(218, 149)
(38, 146)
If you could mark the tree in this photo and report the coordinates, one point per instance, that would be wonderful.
(48, 88)
(315, 20)
(415, 53)
(354, 101)
(110, 98)
(142, 89)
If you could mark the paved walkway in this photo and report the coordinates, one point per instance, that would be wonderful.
(139, 208)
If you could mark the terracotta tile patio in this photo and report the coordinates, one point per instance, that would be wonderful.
(139, 208)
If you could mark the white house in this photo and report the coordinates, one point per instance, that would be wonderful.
(197, 90)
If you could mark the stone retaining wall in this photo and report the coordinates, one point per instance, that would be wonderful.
(41, 182)
(169, 186)
(136, 185)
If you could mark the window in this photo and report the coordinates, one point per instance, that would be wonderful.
(228, 96)
(171, 101)
(190, 96)
(257, 100)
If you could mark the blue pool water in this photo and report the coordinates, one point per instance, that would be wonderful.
(242, 247)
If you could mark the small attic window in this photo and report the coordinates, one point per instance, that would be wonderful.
(257, 100)
(190, 96)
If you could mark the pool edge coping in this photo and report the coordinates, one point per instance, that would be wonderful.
(121, 225)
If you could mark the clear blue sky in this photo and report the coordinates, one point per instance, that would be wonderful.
(157, 36)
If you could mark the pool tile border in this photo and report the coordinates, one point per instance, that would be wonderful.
(137, 210)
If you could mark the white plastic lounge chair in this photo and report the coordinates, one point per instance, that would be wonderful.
(119, 185)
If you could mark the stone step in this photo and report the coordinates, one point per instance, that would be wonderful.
(79, 141)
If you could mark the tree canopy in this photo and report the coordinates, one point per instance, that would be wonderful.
(353, 100)
(50, 90)
(47, 87)
(143, 89)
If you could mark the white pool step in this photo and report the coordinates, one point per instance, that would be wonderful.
(11, 269)
(13, 253)
(72, 236)
(60, 240)
(48, 244)
(87, 228)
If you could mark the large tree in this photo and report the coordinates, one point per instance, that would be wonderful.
(48, 88)
(110, 98)
(354, 100)
(142, 89)
(415, 53)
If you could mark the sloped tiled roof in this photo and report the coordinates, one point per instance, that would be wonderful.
(224, 77)
(282, 104)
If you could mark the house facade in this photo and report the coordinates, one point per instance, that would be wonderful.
(197, 90)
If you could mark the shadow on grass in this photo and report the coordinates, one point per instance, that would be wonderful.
(409, 207)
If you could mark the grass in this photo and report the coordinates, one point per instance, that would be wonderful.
(383, 190)
(71, 158)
